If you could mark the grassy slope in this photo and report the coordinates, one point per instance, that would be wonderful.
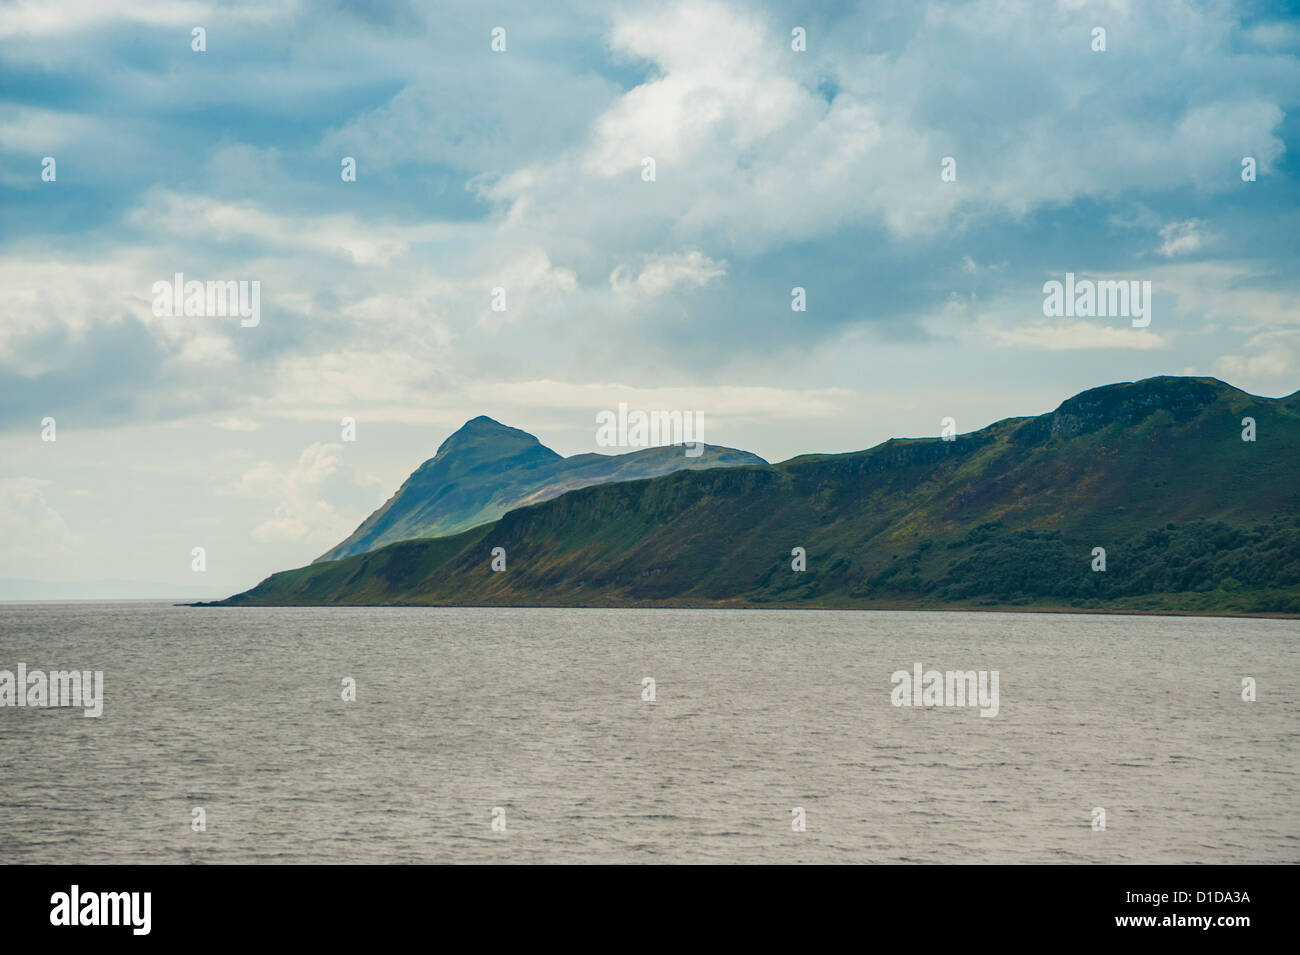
(1192, 518)
(486, 469)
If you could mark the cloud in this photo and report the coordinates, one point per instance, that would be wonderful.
(1068, 335)
(38, 131)
(236, 423)
(1179, 238)
(41, 18)
(302, 510)
(716, 86)
(528, 282)
(1237, 293)
(664, 273)
(1275, 355)
(166, 212)
(752, 153)
(725, 401)
(37, 540)
(445, 115)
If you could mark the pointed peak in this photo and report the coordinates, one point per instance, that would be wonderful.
(482, 424)
(484, 434)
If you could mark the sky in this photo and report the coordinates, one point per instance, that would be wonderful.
(919, 169)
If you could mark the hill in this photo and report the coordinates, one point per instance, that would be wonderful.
(1191, 517)
(486, 469)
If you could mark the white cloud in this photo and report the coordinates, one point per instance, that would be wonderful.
(1275, 355)
(390, 384)
(37, 541)
(30, 18)
(739, 402)
(530, 282)
(40, 131)
(1068, 335)
(663, 273)
(302, 512)
(1239, 294)
(718, 84)
(1179, 238)
(749, 153)
(236, 423)
(166, 212)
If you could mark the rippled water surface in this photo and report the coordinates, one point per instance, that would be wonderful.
(540, 712)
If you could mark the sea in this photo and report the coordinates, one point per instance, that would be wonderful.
(472, 735)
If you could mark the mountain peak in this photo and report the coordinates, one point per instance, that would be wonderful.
(487, 468)
(487, 436)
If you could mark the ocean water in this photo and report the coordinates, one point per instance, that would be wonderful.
(539, 715)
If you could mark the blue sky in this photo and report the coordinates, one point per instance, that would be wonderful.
(522, 169)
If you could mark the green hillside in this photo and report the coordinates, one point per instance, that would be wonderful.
(486, 469)
(1192, 519)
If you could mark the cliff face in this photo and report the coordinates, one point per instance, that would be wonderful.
(1191, 518)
